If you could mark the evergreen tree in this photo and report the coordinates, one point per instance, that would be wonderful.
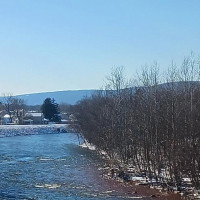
(50, 110)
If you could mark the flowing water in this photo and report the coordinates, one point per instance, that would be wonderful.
(51, 166)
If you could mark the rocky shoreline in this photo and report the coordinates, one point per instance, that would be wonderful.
(139, 181)
(137, 184)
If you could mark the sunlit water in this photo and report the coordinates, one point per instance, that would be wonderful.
(50, 166)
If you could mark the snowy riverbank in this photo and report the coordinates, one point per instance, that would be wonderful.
(20, 130)
(129, 174)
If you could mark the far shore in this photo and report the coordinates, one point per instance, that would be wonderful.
(22, 130)
(32, 125)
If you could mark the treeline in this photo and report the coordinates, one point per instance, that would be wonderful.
(155, 125)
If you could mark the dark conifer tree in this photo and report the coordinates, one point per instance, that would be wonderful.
(50, 110)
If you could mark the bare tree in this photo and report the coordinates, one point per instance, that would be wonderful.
(7, 101)
(154, 126)
(14, 107)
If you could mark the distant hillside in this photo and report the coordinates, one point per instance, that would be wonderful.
(69, 97)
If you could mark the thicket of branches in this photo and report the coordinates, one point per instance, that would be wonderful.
(154, 126)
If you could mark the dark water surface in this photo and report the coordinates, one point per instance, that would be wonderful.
(50, 167)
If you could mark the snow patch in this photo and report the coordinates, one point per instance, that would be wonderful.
(86, 144)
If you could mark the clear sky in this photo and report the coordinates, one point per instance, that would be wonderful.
(50, 45)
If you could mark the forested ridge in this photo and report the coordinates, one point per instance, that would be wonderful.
(154, 125)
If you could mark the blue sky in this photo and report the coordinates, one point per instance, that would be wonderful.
(50, 45)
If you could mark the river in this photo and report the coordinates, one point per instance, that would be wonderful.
(51, 166)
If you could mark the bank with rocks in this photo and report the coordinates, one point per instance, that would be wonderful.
(141, 182)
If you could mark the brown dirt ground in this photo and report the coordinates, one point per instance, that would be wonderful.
(129, 189)
(140, 190)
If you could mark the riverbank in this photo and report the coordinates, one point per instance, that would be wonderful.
(138, 182)
(136, 188)
(129, 190)
(21, 130)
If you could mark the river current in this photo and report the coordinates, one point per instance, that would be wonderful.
(51, 166)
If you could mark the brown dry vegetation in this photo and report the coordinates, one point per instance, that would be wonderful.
(153, 126)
